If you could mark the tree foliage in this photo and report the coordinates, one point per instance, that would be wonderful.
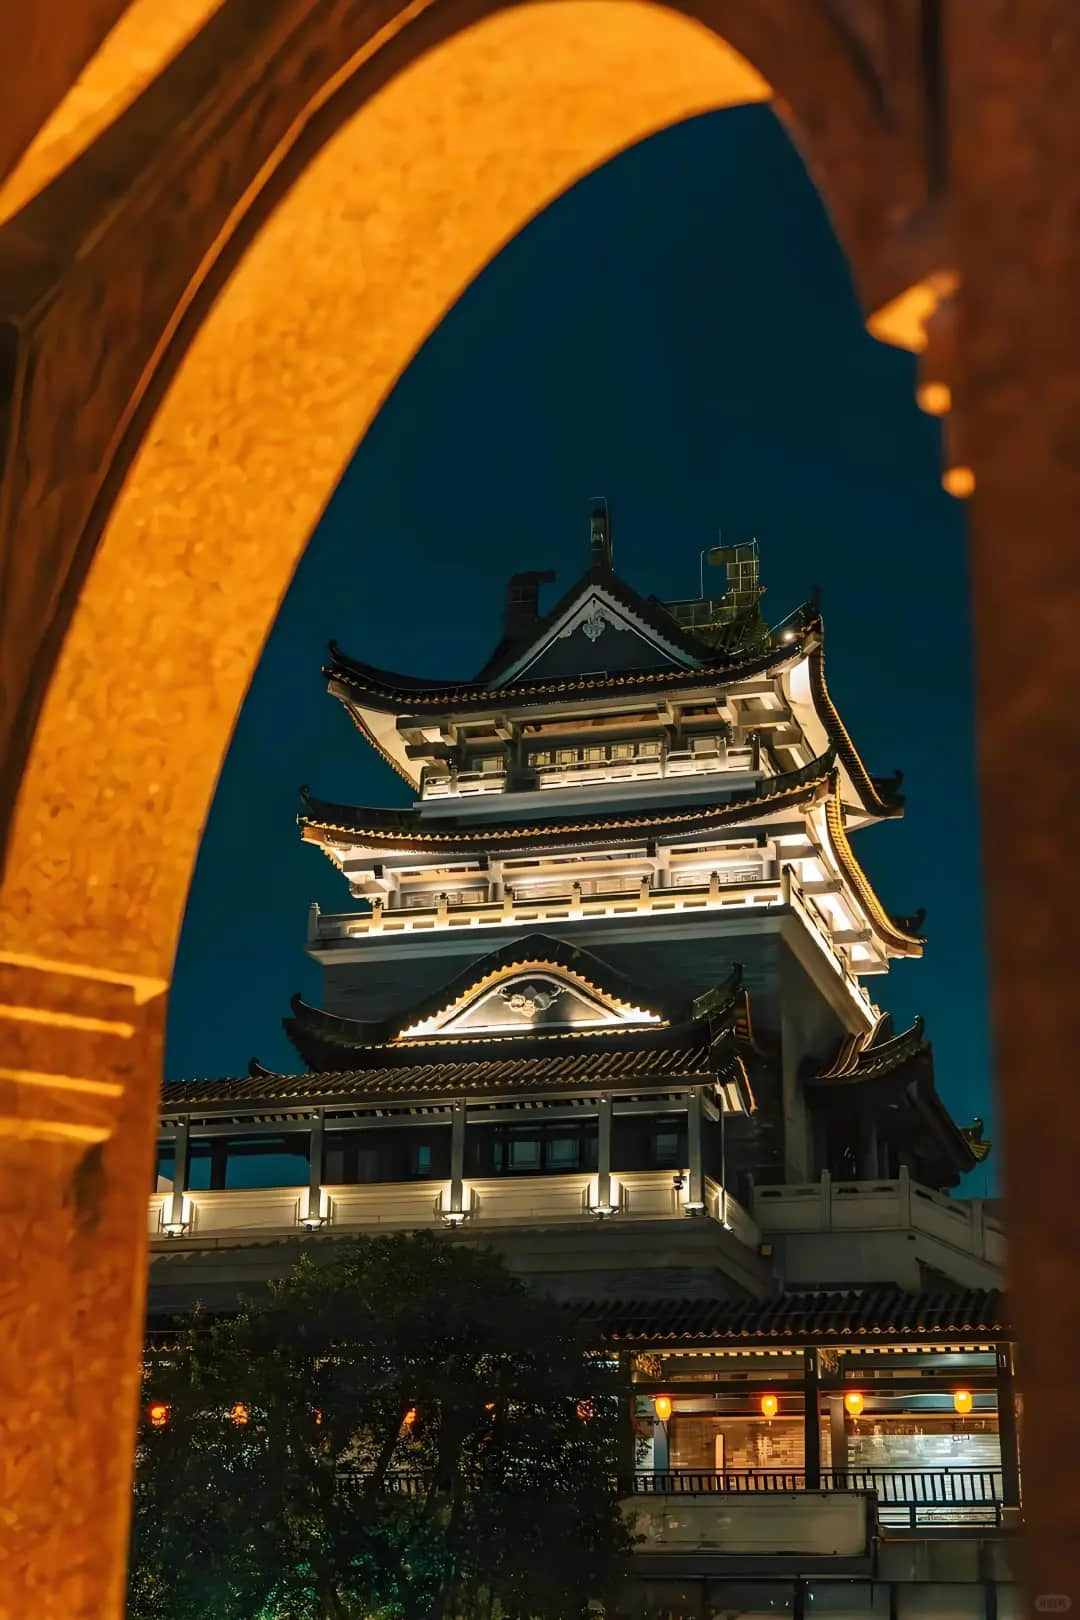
(401, 1432)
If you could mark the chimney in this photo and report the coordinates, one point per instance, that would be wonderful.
(523, 600)
(600, 536)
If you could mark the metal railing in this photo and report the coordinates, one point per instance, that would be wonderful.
(906, 1497)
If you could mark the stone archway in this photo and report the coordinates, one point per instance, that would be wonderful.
(176, 414)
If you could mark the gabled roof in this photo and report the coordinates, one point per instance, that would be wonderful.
(410, 829)
(879, 796)
(876, 1315)
(325, 1040)
(660, 642)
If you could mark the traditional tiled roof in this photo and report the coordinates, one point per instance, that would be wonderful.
(409, 829)
(575, 1066)
(872, 1315)
(888, 928)
(868, 1056)
(878, 797)
(402, 694)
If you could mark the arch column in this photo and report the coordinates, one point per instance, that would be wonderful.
(80, 1057)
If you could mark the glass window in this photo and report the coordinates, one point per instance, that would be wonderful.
(622, 751)
(567, 756)
(595, 756)
(165, 1167)
(932, 1601)
(750, 1600)
(421, 1159)
(649, 750)
(491, 763)
(543, 757)
(666, 1146)
(564, 1153)
(525, 1154)
(846, 1600)
(238, 1162)
(394, 1154)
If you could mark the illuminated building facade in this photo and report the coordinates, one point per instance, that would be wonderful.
(601, 998)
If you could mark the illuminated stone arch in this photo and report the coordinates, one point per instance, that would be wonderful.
(190, 358)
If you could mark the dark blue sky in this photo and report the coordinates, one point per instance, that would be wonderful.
(678, 333)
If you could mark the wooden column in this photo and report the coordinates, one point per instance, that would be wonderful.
(812, 1419)
(838, 1440)
(1007, 1427)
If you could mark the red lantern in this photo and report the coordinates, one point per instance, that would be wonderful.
(239, 1413)
(770, 1405)
(158, 1414)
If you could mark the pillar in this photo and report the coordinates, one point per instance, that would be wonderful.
(838, 1446)
(1007, 1427)
(812, 1419)
(604, 1204)
(695, 1192)
(312, 1212)
(455, 1210)
(172, 1211)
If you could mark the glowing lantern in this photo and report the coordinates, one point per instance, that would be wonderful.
(963, 1401)
(769, 1406)
(318, 1416)
(410, 1417)
(853, 1402)
(239, 1413)
(158, 1413)
(662, 1407)
(585, 1410)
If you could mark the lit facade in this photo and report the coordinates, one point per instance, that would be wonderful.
(603, 997)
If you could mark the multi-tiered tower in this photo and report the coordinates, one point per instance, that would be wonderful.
(610, 967)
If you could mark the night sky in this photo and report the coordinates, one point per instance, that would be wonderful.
(679, 334)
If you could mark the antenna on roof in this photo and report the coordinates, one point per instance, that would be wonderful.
(599, 533)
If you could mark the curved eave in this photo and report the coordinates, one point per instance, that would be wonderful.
(379, 690)
(895, 939)
(873, 802)
(855, 1064)
(362, 827)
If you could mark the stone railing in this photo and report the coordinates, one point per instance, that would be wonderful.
(881, 1205)
(338, 929)
(637, 1195)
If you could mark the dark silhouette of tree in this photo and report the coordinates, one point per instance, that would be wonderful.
(401, 1432)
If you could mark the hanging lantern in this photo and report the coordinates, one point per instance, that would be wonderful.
(770, 1405)
(662, 1407)
(585, 1410)
(158, 1414)
(410, 1418)
(853, 1403)
(239, 1413)
(963, 1400)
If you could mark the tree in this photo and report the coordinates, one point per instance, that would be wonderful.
(400, 1432)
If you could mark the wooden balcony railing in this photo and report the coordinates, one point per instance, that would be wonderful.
(906, 1497)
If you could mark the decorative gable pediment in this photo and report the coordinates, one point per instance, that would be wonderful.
(530, 997)
(597, 631)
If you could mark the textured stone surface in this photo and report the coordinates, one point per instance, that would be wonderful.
(198, 320)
